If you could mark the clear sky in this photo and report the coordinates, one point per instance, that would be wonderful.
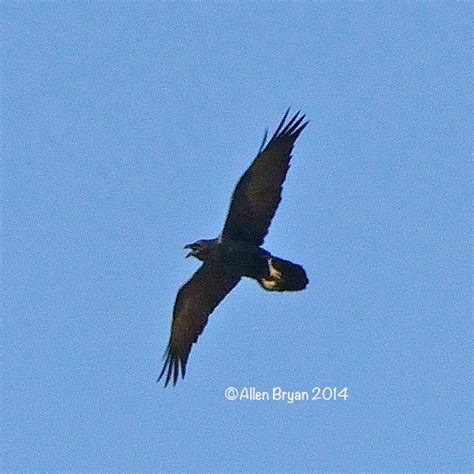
(125, 127)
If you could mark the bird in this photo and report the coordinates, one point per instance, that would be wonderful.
(238, 251)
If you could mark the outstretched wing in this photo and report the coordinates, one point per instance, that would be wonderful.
(195, 301)
(258, 192)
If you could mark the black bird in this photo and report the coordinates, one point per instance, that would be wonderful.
(237, 252)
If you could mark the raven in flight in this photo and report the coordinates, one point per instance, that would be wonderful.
(237, 252)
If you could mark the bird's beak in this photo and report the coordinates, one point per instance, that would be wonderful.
(190, 247)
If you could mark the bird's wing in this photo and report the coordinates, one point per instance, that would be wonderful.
(195, 301)
(258, 192)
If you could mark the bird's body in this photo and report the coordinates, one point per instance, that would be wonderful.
(243, 259)
(238, 251)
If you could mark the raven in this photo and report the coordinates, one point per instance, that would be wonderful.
(237, 252)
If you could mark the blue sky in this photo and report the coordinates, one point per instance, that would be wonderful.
(125, 127)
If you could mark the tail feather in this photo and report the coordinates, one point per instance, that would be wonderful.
(284, 276)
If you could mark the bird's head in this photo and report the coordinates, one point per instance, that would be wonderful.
(201, 248)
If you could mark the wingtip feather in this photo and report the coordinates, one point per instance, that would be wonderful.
(171, 368)
(280, 126)
(262, 146)
(293, 127)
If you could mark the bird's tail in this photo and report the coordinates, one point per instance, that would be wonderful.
(284, 276)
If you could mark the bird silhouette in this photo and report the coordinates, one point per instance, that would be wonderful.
(237, 252)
